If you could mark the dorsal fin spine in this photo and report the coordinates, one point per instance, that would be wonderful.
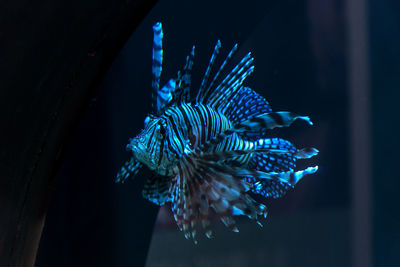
(207, 91)
(226, 103)
(217, 90)
(157, 62)
(186, 78)
(207, 73)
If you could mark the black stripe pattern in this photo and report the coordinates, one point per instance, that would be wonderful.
(212, 152)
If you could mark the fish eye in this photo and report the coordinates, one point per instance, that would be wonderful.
(162, 130)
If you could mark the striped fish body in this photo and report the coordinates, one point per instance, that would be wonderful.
(202, 125)
(212, 152)
(184, 130)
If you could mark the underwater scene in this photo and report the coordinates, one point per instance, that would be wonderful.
(251, 170)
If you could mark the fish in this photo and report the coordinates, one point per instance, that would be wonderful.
(209, 153)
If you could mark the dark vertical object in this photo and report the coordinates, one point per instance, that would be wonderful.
(53, 56)
(327, 38)
(385, 84)
(360, 149)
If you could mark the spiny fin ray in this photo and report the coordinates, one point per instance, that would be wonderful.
(201, 91)
(130, 168)
(156, 189)
(269, 120)
(157, 64)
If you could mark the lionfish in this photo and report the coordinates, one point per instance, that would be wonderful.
(211, 153)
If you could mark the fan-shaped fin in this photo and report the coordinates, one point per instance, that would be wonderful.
(269, 147)
(130, 168)
(269, 120)
(245, 105)
(278, 163)
(201, 184)
(276, 184)
(156, 189)
(269, 188)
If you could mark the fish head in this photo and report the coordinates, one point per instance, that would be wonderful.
(150, 145)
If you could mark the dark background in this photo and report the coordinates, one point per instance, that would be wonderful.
(304, 63)
(300, 66)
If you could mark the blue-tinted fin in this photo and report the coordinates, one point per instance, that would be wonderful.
(130, 168)
(207, 73)
(269, 147)
(156, 189)
(306, 153)
(224, 155)
(295, 177)
(209, 186)
(276, 143)
(289, 177)
(206, 93)
(182, 93)
(226, 90)
(268, 188)
(276, 184)
(247, 104)
(272, 162)
(278, 163)
(165, 95)
(269, 121)
(157, 63)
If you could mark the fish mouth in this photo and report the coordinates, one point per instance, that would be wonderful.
(140, 152)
